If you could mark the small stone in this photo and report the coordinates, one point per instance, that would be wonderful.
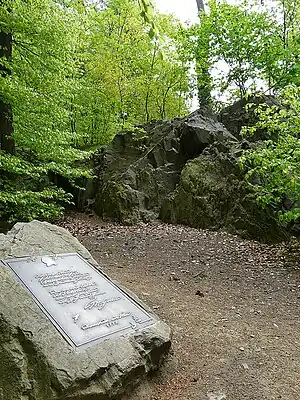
(199, 293)
(216, 396)
(245, 365)
(174, 278)
(242, 348)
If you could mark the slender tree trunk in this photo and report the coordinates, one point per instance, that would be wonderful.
(165, 103)
(148, 88)
(200, 5)
(285, 31)
(7, 143)
(204, 88)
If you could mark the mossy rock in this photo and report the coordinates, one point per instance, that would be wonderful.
(119, 202)
(212, 196)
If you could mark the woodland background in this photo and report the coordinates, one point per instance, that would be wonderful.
(74, 73)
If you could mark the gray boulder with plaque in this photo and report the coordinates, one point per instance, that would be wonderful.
(67, 331)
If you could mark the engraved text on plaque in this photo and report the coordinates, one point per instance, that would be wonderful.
(81, 302)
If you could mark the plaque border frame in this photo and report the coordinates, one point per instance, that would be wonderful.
(151, 318)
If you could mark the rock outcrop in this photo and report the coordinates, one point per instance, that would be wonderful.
(139, 169)
(183, 171)
(36, 362)
(212, 195)
(242, 113)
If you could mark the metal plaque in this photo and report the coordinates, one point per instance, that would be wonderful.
(83, 303)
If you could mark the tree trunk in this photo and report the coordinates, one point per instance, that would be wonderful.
(200, 6)
(148, 87)
(7, 143)
(203, 78)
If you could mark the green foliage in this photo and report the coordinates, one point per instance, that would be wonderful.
(26, 205)
(126, 79)
(79, 74)
(273, 169)
(147, 14)
(40, 89)
(252, 50)
(202, 54)
(257, 48)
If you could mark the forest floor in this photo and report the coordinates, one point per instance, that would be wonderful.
(233, 306)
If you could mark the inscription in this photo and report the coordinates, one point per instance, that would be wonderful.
(72, 295)
(76, 318)
(135, 321)
(83, 303)
(100, 304)
(108, 321)
(61, 277)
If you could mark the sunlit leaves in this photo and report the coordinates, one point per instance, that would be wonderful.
(44, 78)
(126, 74)
(247, 48)
(273, 169)
(80, 73)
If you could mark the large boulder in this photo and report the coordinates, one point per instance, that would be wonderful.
(36, 362)
(136, 171)
(201, 129)
(140, 168)
(184, 171)
(243, 113)
(213, 195)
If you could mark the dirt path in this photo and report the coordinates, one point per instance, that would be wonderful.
(232, 304)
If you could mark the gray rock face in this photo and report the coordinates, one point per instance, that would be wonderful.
(136, 172)
(184, 171)
(36, 362)
(211, 195)
(237, 115)
(199, 130)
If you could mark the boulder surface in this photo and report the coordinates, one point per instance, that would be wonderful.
(183, 171)
(36, 362)
(139, 169)
(212, 196)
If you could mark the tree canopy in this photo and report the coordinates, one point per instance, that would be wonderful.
(73, 73)
(78, 73)
(254, 49)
